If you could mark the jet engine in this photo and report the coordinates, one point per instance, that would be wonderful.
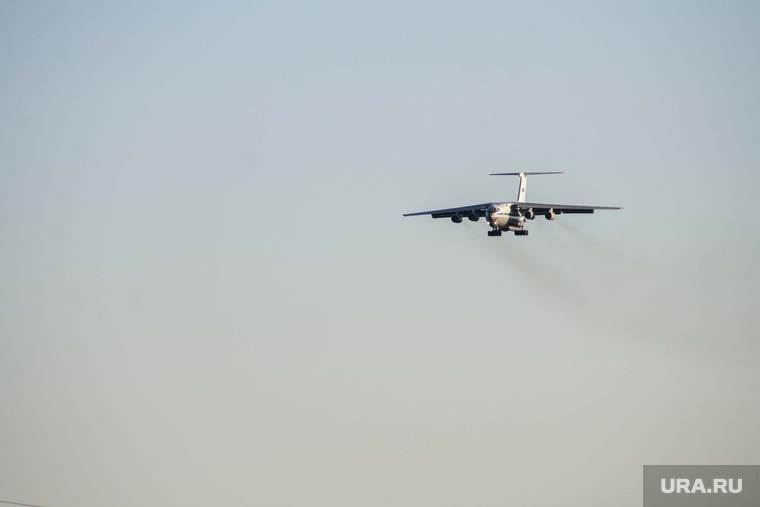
(473, 216)
(529, 214)
(550, 215)
(457, 219)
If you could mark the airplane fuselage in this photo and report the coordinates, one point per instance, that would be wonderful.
(505, 217)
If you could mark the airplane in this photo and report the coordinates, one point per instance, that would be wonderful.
(510, 216)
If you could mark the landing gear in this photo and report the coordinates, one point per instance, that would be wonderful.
(497, 232)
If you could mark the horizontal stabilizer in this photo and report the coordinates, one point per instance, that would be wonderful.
(526, 174)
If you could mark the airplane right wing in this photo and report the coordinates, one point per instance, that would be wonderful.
(479, 209)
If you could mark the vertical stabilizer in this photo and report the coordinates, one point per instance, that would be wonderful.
(523, 186)
(523, 181)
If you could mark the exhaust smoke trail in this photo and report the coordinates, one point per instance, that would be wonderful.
(577, 234)
(585, 277)
(536, 273)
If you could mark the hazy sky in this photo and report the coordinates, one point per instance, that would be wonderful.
(208, 294)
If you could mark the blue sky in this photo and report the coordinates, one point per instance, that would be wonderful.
(209, 293)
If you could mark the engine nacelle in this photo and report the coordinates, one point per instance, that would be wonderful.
(473, 217)
(457, 219)
(550, 215)
(529, 214)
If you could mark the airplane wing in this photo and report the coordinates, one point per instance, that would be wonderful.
(480, 209)
(539, 208)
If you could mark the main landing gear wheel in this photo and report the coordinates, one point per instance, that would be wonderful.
(494, 233)
(521, 232)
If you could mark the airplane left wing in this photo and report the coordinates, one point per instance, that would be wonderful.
(479, 209)
(539, 208)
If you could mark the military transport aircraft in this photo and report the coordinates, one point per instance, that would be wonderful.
(509, 216)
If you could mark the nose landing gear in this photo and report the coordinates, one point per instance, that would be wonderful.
(521, 232)
(494, 232)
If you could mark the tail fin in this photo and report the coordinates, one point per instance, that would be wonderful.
(523, 181)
